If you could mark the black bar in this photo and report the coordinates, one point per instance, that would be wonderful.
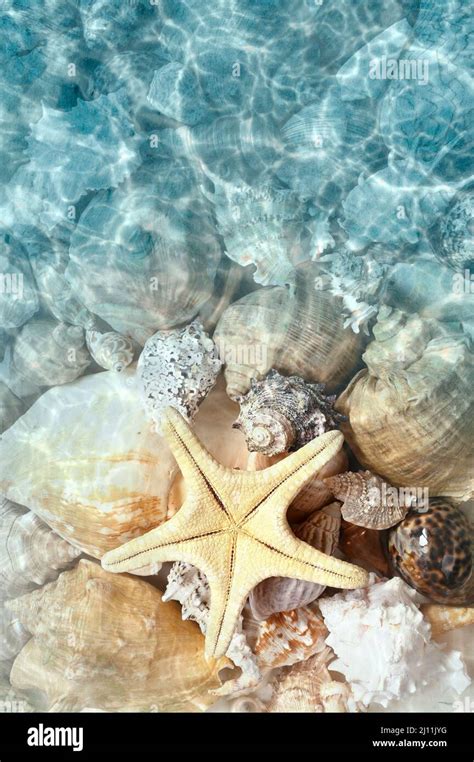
(374, 734)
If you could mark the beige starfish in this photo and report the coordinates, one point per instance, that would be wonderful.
(233, 527)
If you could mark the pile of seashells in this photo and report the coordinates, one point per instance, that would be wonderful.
(216, 207)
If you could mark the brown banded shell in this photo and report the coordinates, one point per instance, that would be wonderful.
(300, 333)
(321, 531)
(281, 414)
(432, 549)
(410, 413)
(108, 642)
(369, 501)
(289, 636)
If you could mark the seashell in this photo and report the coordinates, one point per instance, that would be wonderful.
(384, 645)
(31, 554)
(108, 642)
(427, 124)
(111, 24)
(57, 174)
(432, 549)
(433, 291)
(231, 282)
(11, 408)
(13, 637)
(404, 201)
(110, 350)
(358, 279)
(176, 93)
(389, 44)
(357, 22)
(56, 293)
(4, 338)
(446, 618)
(262, 226)
(315, 494)
(414, 367)
(308, 687)
(46, 353)
(296, 335)
(323, 144)
(97, 479)
(134, 71)
(288, 637)
(137, 260)
(18, 297)
(364, 547)
(177, 368)
(452, 239)
(281, 414)
(321, 531)
(368, 501)
(190, 588)
(324, 134)
(232, 147)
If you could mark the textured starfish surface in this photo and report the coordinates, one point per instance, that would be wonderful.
(233, 527)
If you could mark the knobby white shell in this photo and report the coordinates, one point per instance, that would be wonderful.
(384, 645)
(177, 369)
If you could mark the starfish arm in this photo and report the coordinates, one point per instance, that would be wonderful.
(295, 558)
(228, 595)
(201, 471)
(163, 543)
(282, 481)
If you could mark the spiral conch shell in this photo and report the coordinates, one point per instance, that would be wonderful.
(262, 226)
(414, 367)
(46, 353)
(368, 501)
(308, 687)
(110, 350)
(108, 642)
(296, 334)
(280, 414)
(99, 478)
(321, 531)
(31, 554)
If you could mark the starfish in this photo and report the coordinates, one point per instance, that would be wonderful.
(233, 527)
